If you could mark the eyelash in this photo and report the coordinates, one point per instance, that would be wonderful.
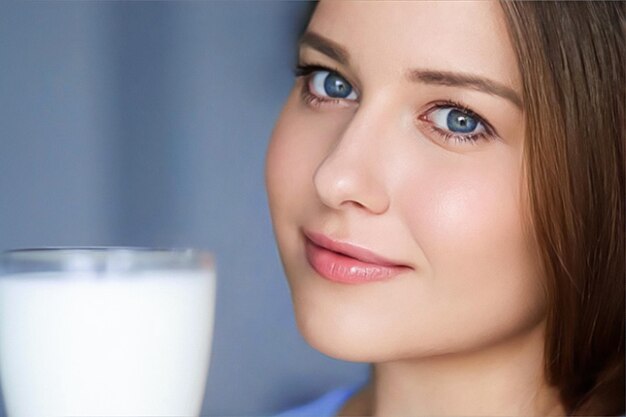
(305, 70)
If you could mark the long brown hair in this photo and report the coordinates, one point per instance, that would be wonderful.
(571, 56)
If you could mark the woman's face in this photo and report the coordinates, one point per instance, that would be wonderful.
(395, 182)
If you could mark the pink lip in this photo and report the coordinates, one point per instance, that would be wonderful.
(347, 263)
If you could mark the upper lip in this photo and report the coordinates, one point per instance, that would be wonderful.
(348, 249)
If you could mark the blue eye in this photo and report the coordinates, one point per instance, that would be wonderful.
(456, 120)
(330, 84)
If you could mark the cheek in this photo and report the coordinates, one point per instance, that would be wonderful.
(297, 146)
(299, 143)
(458, 207)
(453, 216)
(288, 162)
(283, 163)
(468, 224)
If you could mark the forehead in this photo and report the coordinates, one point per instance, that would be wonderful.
(393, 36)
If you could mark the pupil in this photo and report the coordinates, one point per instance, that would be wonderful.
(461, 122)
(336, 86)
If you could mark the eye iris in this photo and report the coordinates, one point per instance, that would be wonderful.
(337, 87)
(459, 121)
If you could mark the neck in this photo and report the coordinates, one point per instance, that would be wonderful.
(505, 379)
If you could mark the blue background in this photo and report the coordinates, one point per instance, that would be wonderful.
(146, 124)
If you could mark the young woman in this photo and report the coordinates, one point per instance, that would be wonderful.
(446, 183)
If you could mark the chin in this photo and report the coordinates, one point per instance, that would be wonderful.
(345, 337)
(345, 322)
(333, 342)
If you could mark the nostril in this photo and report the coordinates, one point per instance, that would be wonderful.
(356, 204)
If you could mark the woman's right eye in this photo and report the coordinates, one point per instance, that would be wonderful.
(332, 85)
(324, 85)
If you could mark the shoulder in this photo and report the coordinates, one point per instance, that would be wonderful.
(325, 406)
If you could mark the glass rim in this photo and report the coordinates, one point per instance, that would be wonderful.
(105, 248)
(104, 258)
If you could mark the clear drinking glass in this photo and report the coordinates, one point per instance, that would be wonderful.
(105, 331)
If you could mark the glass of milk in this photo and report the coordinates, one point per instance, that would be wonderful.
(105, 331)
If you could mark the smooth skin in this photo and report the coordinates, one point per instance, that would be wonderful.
(462, 331)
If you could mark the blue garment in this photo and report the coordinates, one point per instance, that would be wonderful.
(325, 406)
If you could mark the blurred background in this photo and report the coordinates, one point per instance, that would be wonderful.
(146, 124)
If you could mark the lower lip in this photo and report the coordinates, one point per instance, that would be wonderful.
(341, 268)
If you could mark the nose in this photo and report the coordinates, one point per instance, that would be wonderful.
(353, 173)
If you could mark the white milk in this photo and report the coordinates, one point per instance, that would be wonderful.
(124, 344)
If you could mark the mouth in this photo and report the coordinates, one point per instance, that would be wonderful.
(347, 263)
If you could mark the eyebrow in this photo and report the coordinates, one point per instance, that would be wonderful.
(447, 78)
(457, 79)
(324, 45)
